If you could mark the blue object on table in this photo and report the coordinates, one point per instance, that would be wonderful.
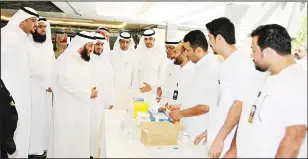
(138, 99)
(163, 119)
(169, 119)
(151, 116)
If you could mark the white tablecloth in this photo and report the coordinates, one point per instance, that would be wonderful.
(119, 145)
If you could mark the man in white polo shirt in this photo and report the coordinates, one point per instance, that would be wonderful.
(276, 124)
(234, 77)
(204, 88)
(182, 77)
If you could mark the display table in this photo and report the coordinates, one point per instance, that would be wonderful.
(116, 143)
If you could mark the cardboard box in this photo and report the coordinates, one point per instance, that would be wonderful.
(160, 133)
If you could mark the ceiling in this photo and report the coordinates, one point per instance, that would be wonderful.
(121, 15)
(146, 13)
(65, 18)
(139, 15)
(46, 6)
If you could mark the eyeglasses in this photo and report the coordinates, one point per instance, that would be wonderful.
(41, 26)
(34, 20)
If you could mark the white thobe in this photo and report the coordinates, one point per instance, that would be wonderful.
(125, 66)
(16, 76)
(169, 82)
(102, 76)
(41, 62)
(72, 110)
(204, 90)
(181, 83)
(282, 103)
(235, 75)
(152, 66)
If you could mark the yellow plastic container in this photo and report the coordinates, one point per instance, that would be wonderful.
(140, 107)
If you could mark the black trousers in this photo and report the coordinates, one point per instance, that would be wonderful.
(3, 154)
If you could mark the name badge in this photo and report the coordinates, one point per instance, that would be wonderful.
(252, 113)
(175, 94)
(253, 110)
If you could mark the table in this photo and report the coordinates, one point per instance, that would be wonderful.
(115, 143)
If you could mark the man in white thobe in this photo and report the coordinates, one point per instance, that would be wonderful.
(152, 63)
(15, 72)
(75, 94)
(124, 62)
(105, 33)
(41, 63)
(203, 90)
(172, 69)
(273, 123)
(102, 75)
(235, 74)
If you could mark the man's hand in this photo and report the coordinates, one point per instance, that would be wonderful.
(232, 153)
(49, 90)
(158, 94)
(146, 88)
(94, 93)
(175, 115)
(157, 100)
(162, 109)
(110, 107)
(174, 107)
(216, 148)
(200, 137)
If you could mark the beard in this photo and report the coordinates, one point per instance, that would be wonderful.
(296, 56)
(38, 37)
(259, 68)
(84, 55)
(177, 61)
(97, 53)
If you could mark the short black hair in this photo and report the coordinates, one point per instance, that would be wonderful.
(224, 27)
(273, 36)
(196, 38)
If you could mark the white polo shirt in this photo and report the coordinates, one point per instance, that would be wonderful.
(282, 103)
(204, 89)
(236, 72)
(245, 141)
(181, 83)
(170, 78)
